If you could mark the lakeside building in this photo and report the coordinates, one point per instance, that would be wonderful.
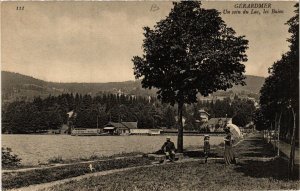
(203, 115)
(85, 132)
(216, 124)
(120, 128)
(155, 131)
(139, 132)
(145, 131)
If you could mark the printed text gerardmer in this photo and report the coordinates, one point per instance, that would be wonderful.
(252, 5)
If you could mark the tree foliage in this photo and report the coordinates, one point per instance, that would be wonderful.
(280, 92)
(40, 115)
(191, 51)
(92, 112)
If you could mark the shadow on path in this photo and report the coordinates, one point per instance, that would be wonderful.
(200, 154)
(276, 169)
(255, 146)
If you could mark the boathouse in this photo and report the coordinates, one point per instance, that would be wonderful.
(121, 128)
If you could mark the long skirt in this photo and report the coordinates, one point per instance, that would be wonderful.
(229, 155)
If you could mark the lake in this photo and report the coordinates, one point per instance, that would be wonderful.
(39, 148)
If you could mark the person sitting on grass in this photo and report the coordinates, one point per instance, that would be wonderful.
(169, 149)
(206, 147)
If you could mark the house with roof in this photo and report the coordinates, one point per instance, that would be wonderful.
(216, 124)
(119, 128)
(203, 115)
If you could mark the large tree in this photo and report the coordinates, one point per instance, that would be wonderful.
(191, 51)
(280, 92)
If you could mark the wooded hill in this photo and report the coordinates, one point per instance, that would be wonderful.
(17, 86)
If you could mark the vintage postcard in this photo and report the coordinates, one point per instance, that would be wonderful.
(150, 95)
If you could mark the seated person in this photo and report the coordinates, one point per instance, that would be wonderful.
(169, 149)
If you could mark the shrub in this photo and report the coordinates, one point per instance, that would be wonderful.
(57, 159)
(94, 157)
(9, 159)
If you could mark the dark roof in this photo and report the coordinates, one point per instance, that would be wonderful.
(129, 125)
(203, 111)
(114, 124)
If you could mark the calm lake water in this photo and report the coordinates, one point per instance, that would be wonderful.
(39, 148)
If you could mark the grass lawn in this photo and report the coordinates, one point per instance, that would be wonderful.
(247, 175)
(37, 176)
(193, 176)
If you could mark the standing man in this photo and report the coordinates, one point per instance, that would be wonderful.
(169, 148)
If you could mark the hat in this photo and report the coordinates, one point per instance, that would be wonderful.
(168, 138)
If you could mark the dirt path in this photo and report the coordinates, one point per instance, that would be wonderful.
(285, 148)
(50, 184)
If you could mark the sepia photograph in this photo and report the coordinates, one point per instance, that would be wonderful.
(150, 95)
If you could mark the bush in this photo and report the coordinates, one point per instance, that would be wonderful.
(9, 159)
(57, 159)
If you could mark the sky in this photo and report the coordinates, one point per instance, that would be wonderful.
(95, 41)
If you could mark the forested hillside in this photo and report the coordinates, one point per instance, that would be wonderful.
(85, 111)
(21, 87)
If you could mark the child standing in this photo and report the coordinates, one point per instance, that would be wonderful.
(206, 147)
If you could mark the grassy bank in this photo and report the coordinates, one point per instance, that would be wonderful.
(193, 176)
(247, 175)
(21, 179)
(60, 160)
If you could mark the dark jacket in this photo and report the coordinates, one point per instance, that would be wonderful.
(206, 146)
(168, 146)
(228, 139)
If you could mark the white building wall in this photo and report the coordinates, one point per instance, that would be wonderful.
(139, 131)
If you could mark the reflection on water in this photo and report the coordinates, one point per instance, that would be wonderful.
(39, 148)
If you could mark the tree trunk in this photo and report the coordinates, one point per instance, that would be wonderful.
(180, 129)
(97, 122)
(275, 128)
(279, 121)
(269, 133)
(292, 153)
